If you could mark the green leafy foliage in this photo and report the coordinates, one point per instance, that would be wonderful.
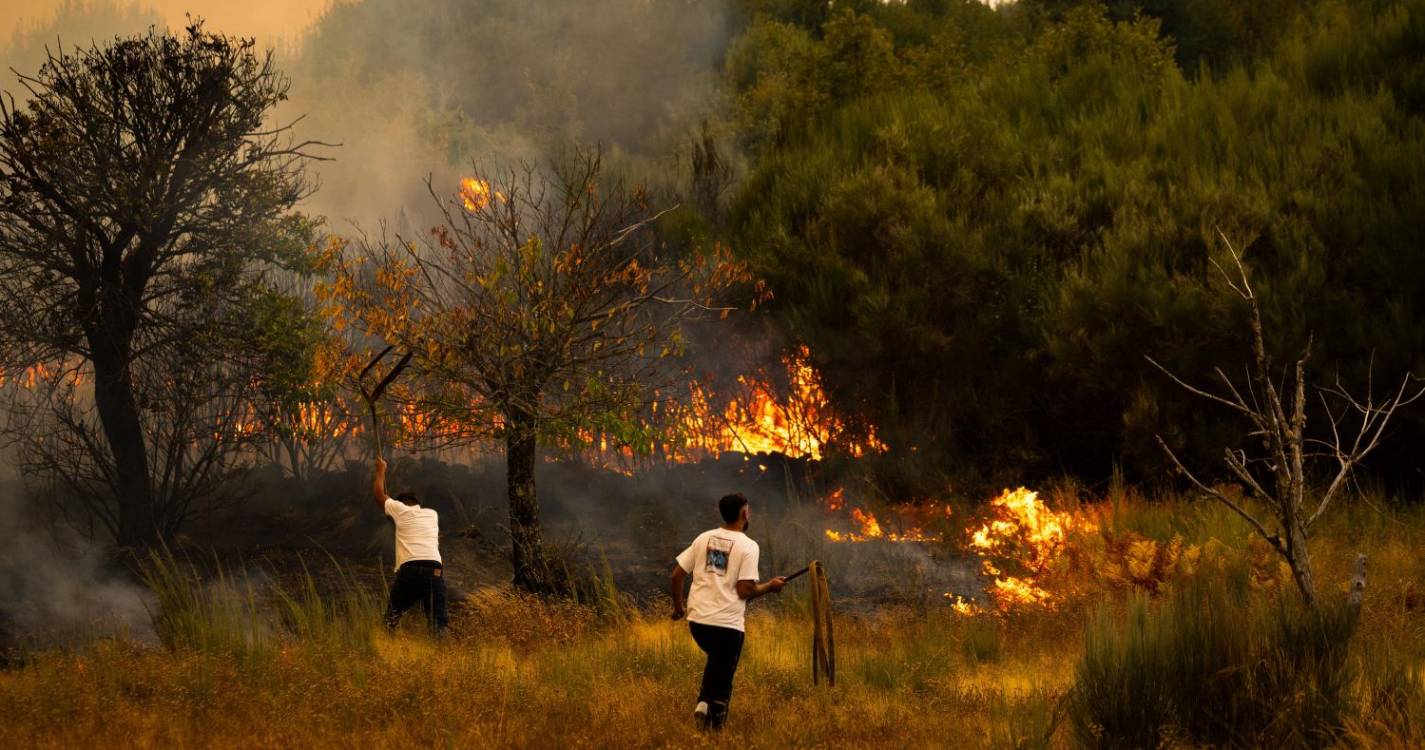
(981, 221)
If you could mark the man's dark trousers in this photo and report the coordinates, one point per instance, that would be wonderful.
(423, 582)
(724, 648)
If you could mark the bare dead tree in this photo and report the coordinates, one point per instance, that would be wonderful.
(1279, 477)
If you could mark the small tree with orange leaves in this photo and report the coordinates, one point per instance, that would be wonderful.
(542, 306)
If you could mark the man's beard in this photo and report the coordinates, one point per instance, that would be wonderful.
(746, 525)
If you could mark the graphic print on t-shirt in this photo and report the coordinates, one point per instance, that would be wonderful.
(718, 550)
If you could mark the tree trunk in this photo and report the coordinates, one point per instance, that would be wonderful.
(119, 416)
(527, 554)
(1299, 559)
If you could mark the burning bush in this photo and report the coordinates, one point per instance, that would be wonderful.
(757, 418)
(1039, 558)
(1022, 543)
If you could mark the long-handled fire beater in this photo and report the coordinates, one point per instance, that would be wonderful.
(373, 395)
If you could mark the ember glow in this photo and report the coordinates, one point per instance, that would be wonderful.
(37, 374)
(316, 420)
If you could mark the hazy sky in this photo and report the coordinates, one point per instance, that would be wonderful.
(263, 18)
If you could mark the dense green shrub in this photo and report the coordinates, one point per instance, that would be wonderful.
(980, 241)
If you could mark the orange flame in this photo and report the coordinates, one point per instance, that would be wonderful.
(1026, 531)
(869, 527)
(758, 419)
(963, 606)
(475, 193)
(800, 425)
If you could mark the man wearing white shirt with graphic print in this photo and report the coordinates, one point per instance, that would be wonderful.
(723, 565)
(420, 577)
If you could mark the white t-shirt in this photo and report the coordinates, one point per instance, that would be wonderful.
(417, 532)
(718, 559)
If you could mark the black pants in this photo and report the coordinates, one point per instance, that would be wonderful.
(724, 648)
(423, 582)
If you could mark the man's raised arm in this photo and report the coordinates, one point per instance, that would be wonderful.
(378, 485)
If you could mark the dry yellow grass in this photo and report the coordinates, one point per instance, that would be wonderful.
(522, 673)
(626, 686)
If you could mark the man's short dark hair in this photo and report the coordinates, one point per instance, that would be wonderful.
(409, 498)
(731, 506)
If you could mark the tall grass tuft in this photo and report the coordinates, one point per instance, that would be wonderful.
(1117, 700)
(981, 639)
(237, 616)
(1393, 695)
(340, 620)
(572, 574)
(220, 616)
(1207, 666)
(1027, 722)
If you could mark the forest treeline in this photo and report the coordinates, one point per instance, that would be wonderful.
(982, 221)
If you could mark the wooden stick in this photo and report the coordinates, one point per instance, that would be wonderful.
(823, 646)
(374, 361)
(373, 396)
(798, 573)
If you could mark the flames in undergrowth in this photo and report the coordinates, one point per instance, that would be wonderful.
(1026, 534)
(867, 528)
(1020, 544)
(784, 412)
(787, 413)
(1021, 520)
(757, 419)
(779, 408)
(35, 375)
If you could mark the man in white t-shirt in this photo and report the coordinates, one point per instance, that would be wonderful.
(723, 565)
(420, 577)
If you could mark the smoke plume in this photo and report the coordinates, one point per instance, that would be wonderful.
(56, 588)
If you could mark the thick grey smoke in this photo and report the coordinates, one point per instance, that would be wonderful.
(55, 588)
(411, 88)
(421, 88)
